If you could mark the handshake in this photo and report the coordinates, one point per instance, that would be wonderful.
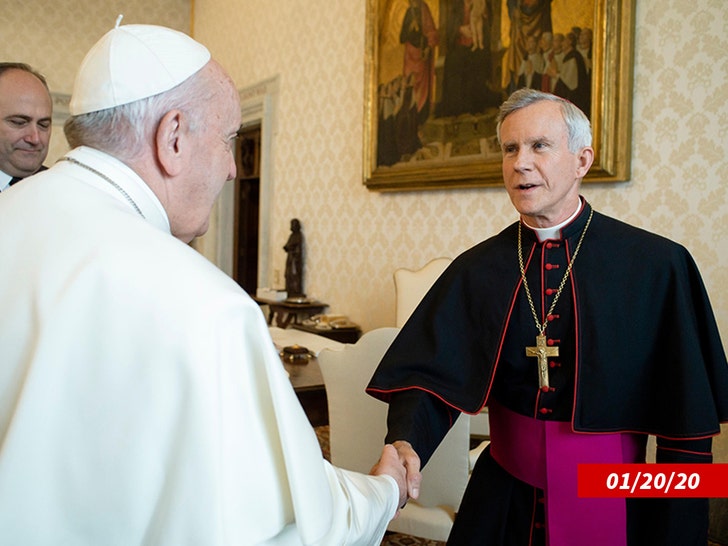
(400, 461)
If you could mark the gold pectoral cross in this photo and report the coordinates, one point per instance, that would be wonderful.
(542, 352)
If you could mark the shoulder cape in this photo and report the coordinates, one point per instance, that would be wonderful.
(650, 355)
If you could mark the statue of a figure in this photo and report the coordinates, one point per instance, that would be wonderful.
(294, 261)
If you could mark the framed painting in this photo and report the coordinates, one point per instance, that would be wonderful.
(437, 70)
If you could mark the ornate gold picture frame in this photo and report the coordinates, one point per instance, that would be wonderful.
(433, 83)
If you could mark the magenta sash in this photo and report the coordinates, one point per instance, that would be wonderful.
(545, 454)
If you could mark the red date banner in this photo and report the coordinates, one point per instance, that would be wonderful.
(653, 480)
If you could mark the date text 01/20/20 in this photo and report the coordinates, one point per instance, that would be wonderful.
(653, 480)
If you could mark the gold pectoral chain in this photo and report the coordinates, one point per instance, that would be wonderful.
(541, 350)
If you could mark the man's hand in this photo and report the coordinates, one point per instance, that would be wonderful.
(411, 461)
(390, 464)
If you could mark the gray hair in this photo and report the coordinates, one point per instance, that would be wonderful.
(126, 130)
(577, 124)
(25, 68)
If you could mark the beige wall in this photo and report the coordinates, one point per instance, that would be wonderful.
(54, 35)
(356, 238)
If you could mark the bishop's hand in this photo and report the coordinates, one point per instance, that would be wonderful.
(390, 464)
(411, 461)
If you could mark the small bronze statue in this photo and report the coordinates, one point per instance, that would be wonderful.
(294, 261)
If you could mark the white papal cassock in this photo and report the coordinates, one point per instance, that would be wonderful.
(141, 398)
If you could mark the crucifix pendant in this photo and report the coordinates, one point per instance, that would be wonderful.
(542, 352)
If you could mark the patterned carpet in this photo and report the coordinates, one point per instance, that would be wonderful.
(322, 433)
(395, 539)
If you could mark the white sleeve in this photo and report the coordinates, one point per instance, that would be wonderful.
(358, 504)
(331, 506)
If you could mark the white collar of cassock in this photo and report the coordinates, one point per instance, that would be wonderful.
(554, 232)
(126, 178)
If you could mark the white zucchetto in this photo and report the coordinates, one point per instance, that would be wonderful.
(133, 62)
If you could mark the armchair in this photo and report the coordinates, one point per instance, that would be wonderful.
(357, 426)
(410, 287)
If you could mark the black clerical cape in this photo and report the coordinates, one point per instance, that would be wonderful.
(639, 345)
(649, 356)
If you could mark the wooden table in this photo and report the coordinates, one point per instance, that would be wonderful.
(306, 377)
(308, 383)
(344, 335)
(286, 312)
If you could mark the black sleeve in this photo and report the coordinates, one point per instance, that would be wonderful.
(420, 419)
(684, 451)
(675, 522)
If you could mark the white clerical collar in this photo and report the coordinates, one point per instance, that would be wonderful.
(4, 181)
(554, 232)
(139, 194)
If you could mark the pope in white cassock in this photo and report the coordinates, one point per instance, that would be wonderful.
(141, 398)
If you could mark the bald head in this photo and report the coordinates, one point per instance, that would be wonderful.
(25, 119)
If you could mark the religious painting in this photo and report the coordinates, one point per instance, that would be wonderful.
(437, 71)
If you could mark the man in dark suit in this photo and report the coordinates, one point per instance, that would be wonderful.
(25, 122)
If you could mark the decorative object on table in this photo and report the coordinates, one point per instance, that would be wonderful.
(337, 327)
(294, 262)
(271, 294)
(291, 310)
(296, 354)
(329, 322)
